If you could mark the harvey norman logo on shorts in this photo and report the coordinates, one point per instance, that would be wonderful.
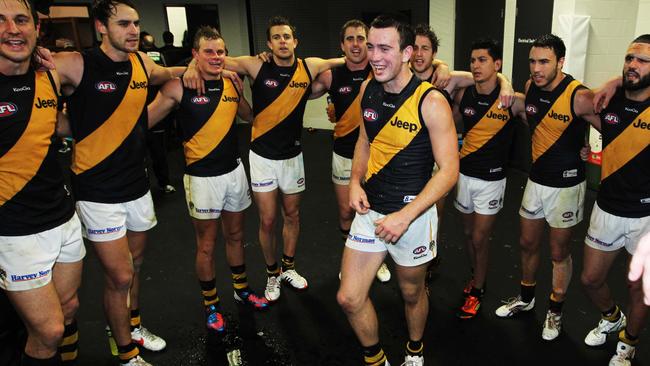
(29, 276)
(107, 230)
(361, 239)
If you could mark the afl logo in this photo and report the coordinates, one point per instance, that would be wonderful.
(419, 250)
(200, 100)
(345, 90)
(370, 115)
(105, 87)
(567, 215)
(270, 83)
(611, 118)
(531, 109)
(469, 111)
(7, 109)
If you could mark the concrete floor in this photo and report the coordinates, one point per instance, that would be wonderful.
(308, 328)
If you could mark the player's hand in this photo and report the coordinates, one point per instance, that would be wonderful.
(358, 199)
(239, 83)
(391, 227)
(584, 152)
(331, 112)
(265, 56)
(603, 95)
(640, 265)
(192, 79)
(506, 97)
(441, 76)
(44, 58)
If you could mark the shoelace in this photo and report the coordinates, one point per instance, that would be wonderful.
(511, 301)
(552, 321)
(271, 284)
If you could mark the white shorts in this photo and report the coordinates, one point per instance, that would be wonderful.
(206, 197)
(561, 207)
(268, 174)
(416, 246)
(341, 169)
(26, 262)
(609, 232)
(110, 221)
(481, 196)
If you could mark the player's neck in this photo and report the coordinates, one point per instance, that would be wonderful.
(113, 53)
(640, 95)
(355, 67)
(284, 61)
(399, 82)
(487, 87)
(553, 84)
(424, 75)
(10, 68)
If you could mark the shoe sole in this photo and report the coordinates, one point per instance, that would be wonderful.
(289, 285)
(141, 345)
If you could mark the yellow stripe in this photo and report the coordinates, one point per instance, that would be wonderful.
(283, 105)
(129, 355)
(210, 302)
(484, 130)
(240, 286)
(21, 163)
(210, 292)
(69, 356)
(135, 321)
(624, 339)
(351, 119)
(237, 276)
(108, 137)
(215, 129)
(73, 338)
(549, 130)
(625, 146)
(392, 139)
(376, 359)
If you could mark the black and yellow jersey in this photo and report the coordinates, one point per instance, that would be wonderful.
(208, 125)
(344, 92)
(280, 95)
(625, 172)
(33, 197)
(442, 91)
(487, 137)
(558, 135)
(108, 119)
(401, 158)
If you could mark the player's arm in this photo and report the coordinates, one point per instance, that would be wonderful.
(244, 65)
(518, 108)
(583, 105)
(69, 67)
(442, 134)
(316, 65)
(159, 75)
(357, 196)
(441, 74)
(168, 97)
(640, 266)
(321, 84)
(605, 92)
(458, 118)
(244, 110)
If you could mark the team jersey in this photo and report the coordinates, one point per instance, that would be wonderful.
(558, 135)
(33, 197)
(625, 171)
(344, 92)
(442, 91)
(208, 125)
(401, 158)
(280, 95)
(487, 136)
(108, 119)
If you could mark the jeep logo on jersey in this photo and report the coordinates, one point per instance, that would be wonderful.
(302, 85)
(271, 83)
(201, 99)
(7, 109)
(138, 85)
(531, 109)
(469, 111)
(105, 87)
(230, 99)
(370, 115)
(498, 116)
(411, 127)
(345, 90)
(611, 118)
(419, 250)
(560, 117)
(45, 103)
(641, 124)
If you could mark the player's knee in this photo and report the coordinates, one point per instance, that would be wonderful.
(267, 223)
(70, 306)
(591, 280)
(349, 302)
(50, 333)
(121, 280)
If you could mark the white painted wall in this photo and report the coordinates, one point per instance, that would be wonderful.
(442, 19)
(643, 18)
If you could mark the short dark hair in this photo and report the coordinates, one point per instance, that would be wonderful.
(492, 46)
(205, 32)
(168, 37)
(553, 42)
(103, 9)
(279, 20)
(644, 38)
(406, 34)
(426, 31)
(354, 23)
(33, 8)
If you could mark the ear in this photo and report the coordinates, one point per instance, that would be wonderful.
(101, 28)
(560, 63)
(268, 44)
(497, 65)
(406, 54)
(342, 48)
(195, 53)
(295, 42)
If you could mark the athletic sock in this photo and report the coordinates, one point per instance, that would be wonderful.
(69, 347)
(627, 338)
(477, 292)
(613, 314)
(527, 292)
(288, 263)
(239, 278)
(414, 348)
(128, 352)
(209, 292)
(374, 355)
(555, 306)
(272, 270)
(135, 319)
(31, 361)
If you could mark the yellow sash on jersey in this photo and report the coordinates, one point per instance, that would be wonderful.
(549, 129)
(626, 145)
(215, 129)
(21, 163)
(283, 105)
(102, 142)
(485, 129)
(351, 118)
(392, 138)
